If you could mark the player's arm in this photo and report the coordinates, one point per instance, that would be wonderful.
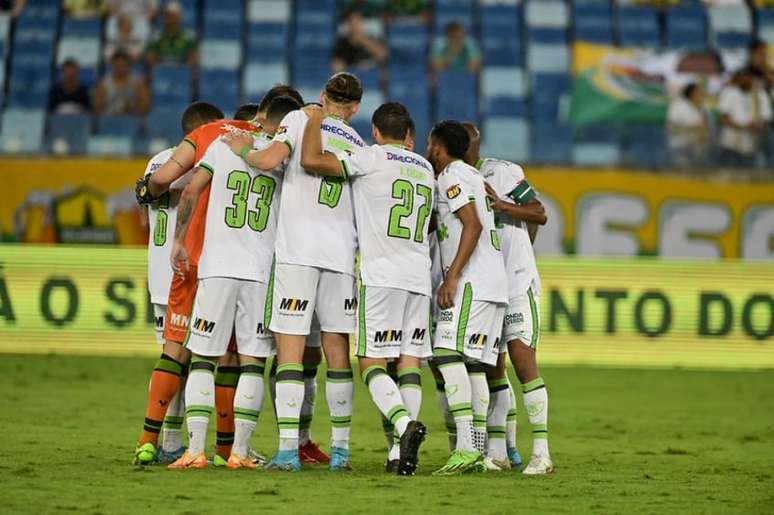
(181, 160)
(185, 209)
(532, 211)
(266, 159)
(532, 230)
(313, 159)
(471, 230)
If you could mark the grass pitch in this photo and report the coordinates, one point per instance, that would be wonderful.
(650, 441)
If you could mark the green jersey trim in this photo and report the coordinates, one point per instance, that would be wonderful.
(187, 140)
(207, 167)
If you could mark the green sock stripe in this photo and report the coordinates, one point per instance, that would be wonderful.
(543, 428)
(341, 421)
(152, 426)
(246, 412)
(496, 430)
(253, 369)
(412, 379)
(297, 367)
(533, 385)
(440, 386)
(475, 368)
(408, 370)
(373, 371)
(167, 364)
(227, 377)
(410, 387)
(444, 358)
(305, 421)
(451, 428)
(202, 367)
(223, 438)
(396, 413)
(361, 323)
(290, 373)
(173, 420)
(287, 422)
(503, 381)
(511, 415)
(267, 305)
(535, 319)
(198, 411)
(462, 325)
(339, 375)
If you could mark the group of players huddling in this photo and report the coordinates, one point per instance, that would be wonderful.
(256, 223)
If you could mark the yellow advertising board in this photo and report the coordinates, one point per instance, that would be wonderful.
(591, 212)
(613, 312)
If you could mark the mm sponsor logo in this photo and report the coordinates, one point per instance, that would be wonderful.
(159, 321)
(179, 320)
(350, 304)
(260, 330)
(477, 340)
(419, 334)
(296, 305)
(203, 326)
(514, 318)
(388, 336)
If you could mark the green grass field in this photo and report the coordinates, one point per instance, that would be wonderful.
(630, 441)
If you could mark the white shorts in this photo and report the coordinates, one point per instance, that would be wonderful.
(471, 327)
(392, 323)
(224, 305)
(298, 292)
(522, 320)
(159, 312)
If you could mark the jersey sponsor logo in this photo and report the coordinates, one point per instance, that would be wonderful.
(453, 192)
(338, 131)
(388, 336)
(391, 156)
(350, 304)
(296, 305)
(159, 321)
(477, 340)
(179, 320)
(155, 166)
(281, 130)
(514, 318)
(203, 326)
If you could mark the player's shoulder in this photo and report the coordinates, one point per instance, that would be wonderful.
(342, 129)
(490, 167)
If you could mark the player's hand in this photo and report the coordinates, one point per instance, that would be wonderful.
(179, 259)
(494, 200)
(237, 141)
(142, 191)
(447, 292)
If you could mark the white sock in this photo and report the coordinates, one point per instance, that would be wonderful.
(172, 432)
(290, 396)
(200, 402)
(459, 397)
(480, 404)
(443, 407)
(410, 384)
(536, 404)
(339, 392)
(387, 398)
(510, 423)
(499, 404)
(307, 408)
(248, 400)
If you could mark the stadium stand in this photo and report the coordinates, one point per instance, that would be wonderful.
(520, 98)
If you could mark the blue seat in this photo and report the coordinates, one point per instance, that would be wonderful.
(456, 96)
(370, 78)
(638, 26)
(221, 88)
(409, 86)
(81, 27)
(118, 125)
(28, 86)
(548, 36)
(267, 42)
(259, 77)
(551, 143)
(731, 25)
(733, 40)
(503, 81)
(163, 125)
(593, 22)
(68, 133)
(643, 145)
(311, 75)
(553, 83)
(686, 27)
(766, 25)
(108, 145)
(21, 130)
(506, 107)
(171, 85)
(407, 39)
(547, 13)
(363, 128)
(596, 154)
(263, 11)
(548, 58)
(505, 138)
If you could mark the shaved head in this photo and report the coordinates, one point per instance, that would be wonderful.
(473, 153)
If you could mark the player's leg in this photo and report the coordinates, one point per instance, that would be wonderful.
(292, 291)
(393, 444)
(211, 326)
(479, 390)
(443, 405)
(499, 405)
(226, 380)
(522, 347)
(510, 429)
(165, 383)
(172, 432)
(308, 450)
(335, 308)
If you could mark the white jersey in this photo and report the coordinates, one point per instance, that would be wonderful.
(241, 224)
(316, 219)
(162, 217)
(509, 183)
(393, 192)
(459, 185)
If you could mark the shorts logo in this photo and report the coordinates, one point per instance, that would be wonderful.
(419, 335)
(179, 320)
(350, 304)
(159, 322)
(477, 340)
(203, 326)
(514, 318)
(297, 305)
(390, 335)
(453, 192)
(260, 330)
(446, 316)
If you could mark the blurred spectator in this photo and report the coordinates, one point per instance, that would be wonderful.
(355, 47)
(173, 45)
(758, 62)
(121, 92)
(124, 38)
(14, 7)
(69, 96)
(688, 127)
(456, 51)
(83, 8)
(130, 22)
(370, 8)
(745, 110)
